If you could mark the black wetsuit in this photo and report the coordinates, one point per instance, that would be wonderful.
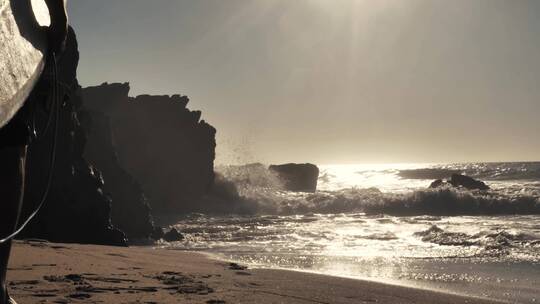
(18, 131)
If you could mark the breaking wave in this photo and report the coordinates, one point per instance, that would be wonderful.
(253, 190)
(420, 202)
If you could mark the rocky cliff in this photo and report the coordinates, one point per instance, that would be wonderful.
(158, 140)
(77, 209)
(130, 210)
(111, 147)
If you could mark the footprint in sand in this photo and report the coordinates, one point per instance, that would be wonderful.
(20, 268)
(66, 278)
(183, 284)
(44, 295)
(24, 282)
(117, 255)
(79, 296)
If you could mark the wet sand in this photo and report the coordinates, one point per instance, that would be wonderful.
(42, 272)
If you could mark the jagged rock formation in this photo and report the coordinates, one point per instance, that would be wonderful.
(298, 177)
(76, 209)
(459, 180)
(438, 183)
(165, 146)
(130, 210)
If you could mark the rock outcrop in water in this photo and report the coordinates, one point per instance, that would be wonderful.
(164, 145)
(298, 177)
(173, 235)
(76, 209)
(438, 183)
(459, 180)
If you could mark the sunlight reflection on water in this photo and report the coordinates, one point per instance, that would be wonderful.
(496, 253)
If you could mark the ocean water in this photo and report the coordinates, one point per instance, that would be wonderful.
(382, 223)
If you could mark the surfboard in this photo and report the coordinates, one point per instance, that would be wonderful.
(23, 44)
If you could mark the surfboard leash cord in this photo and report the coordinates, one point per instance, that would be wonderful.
(56, 103)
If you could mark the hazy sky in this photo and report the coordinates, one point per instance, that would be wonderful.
(332, 81)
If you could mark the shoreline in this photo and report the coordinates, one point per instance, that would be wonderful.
(42, 272)
(389, 282)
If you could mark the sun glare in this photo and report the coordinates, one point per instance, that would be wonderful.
(356, 6)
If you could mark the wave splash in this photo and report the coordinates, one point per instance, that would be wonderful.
(254, 190)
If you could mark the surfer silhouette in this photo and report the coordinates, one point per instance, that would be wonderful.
(14, 139)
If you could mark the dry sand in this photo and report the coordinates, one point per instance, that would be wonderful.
(43, 272)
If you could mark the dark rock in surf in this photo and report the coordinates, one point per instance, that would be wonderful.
(436, 183)
(235, 266)
(173, 235)
(439, 183)
(459, 180)
(297, 177)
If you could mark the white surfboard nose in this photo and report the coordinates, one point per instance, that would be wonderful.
(22, 45)
(41, 12)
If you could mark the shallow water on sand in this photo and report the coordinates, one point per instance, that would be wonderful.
(497, 257)
(454, 240)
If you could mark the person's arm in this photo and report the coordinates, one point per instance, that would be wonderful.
(59, 25)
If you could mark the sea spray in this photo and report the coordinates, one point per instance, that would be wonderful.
(257, 190)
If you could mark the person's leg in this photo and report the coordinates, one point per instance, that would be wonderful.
(12, 167)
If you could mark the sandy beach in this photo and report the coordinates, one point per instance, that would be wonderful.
(42, 272)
